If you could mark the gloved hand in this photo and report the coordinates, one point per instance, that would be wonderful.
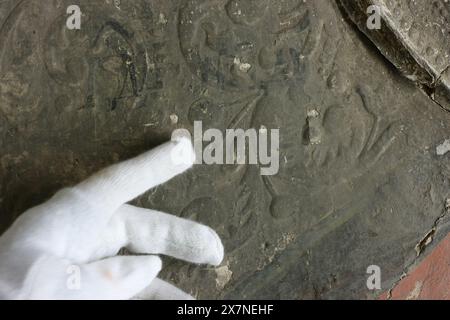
(66, 248)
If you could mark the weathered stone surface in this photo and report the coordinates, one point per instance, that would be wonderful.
(414, 36)
(360, 182)
(429, 280)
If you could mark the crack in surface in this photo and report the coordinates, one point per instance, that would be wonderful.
(421, 247)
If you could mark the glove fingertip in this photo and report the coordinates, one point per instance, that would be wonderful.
(182, 153)
(218, 249)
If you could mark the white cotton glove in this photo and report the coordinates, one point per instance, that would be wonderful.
(66, 248)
